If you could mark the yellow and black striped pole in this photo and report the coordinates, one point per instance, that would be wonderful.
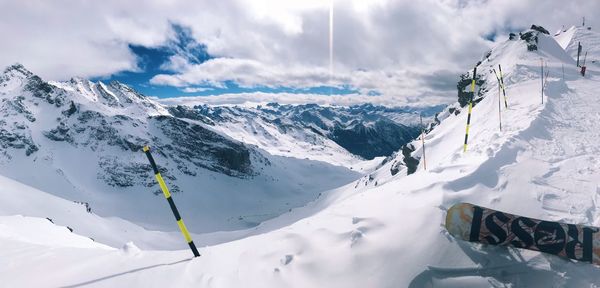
(503, 87)
(470, 108)
(167, 194)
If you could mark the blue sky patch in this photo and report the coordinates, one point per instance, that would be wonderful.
(154, 60)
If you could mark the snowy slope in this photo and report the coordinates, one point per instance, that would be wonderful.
(589, 40)
(84, 139)
(543, 164)
(20, 199)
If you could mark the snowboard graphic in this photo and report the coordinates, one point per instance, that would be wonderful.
(479, 224)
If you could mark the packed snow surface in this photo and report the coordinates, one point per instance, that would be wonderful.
(387, 232)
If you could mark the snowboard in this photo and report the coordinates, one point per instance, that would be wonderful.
(479, 224)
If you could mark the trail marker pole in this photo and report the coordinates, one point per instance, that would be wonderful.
(583, 67)
(546, 77)
(470, 109)
(423, 142)
(563, 70)
(503, 88)
(167, 194)
(542, 78)
(578, 52)
(499, 98)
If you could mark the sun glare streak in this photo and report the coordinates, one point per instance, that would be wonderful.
(330, 45)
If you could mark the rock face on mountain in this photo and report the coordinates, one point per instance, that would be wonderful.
(111, 116)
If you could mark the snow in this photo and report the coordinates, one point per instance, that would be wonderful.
(72, 171)
(544, 164)
(293, 144)
(589, 41)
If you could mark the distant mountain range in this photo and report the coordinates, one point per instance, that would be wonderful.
(84, 140)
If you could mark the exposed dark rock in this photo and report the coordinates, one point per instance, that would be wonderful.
(128, 174)
(540, 29)
(531, 38)
(454, 111)
(17, 140)
(204, 148)
(382, 138)
(18, 106)
(410, 162)
(60, 133)
(190, 113)
(72, 109)
(488, 54)
(19, 69)
(110, 99)
(87, 116)
(395, 167)
(38, 87)
(464, 88)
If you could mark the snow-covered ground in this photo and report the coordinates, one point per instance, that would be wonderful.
(545, 163)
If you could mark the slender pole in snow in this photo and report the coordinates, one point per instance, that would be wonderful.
(563, 70)
(423, 142)
(470, 108)
(503, 88)
(167, 194)
(499, 111)
(542, 78)
(499, 98)
(578, 52)
(546, 76)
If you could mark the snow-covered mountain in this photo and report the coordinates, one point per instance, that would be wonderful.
(315, 132)
(385, 230)
(569, 40)
(84, 140)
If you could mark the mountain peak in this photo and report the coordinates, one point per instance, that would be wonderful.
(18, 70)
(77, 79)
(539, 29)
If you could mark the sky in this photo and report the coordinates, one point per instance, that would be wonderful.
(391, 52)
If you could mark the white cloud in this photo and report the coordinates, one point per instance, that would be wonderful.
(402, 48)
(257, 98)
(245, 72)
(196, 89)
